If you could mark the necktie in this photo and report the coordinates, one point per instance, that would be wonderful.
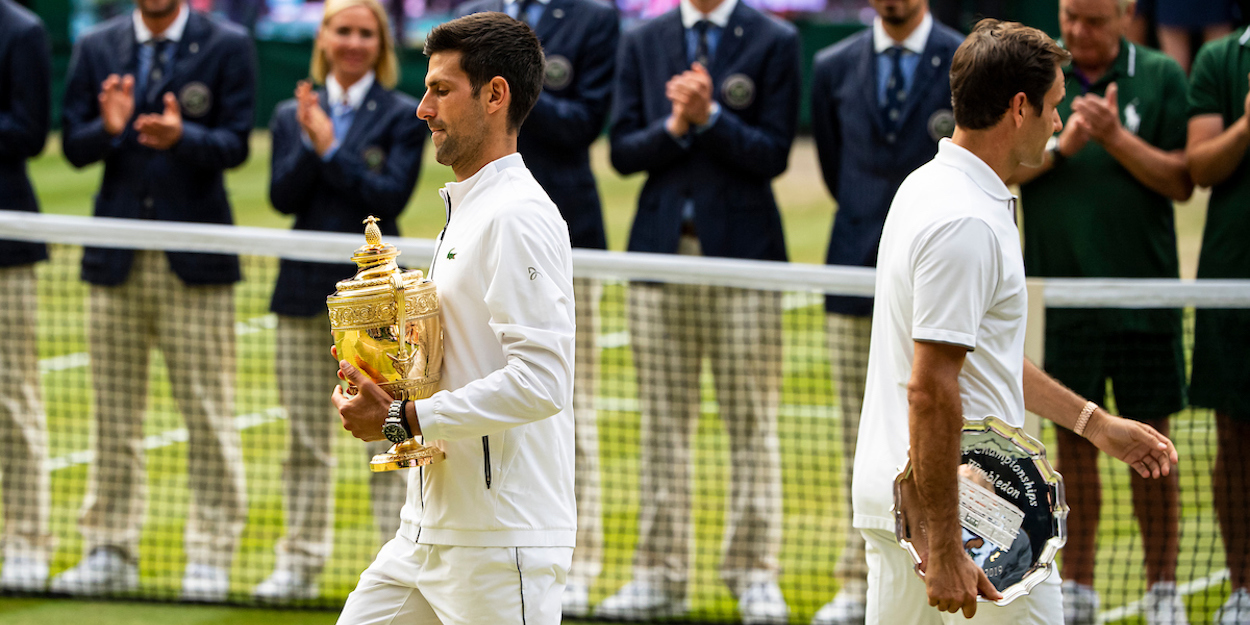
(700, 47)
(160, 61)
(895, 89)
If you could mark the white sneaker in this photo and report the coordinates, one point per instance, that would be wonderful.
(1235, 611)
(285, 586)
(763, 604)
(575, 602)
(24, 575)
(1080, 604)
(639, 601)
(843, 610)
(104, 571)
(205, 583)
(1164, 605)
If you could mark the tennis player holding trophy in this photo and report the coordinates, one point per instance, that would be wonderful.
(487, 533)
(948, 383)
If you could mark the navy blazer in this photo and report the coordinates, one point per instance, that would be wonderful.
(579, 39)
(727, 170)
(373, 172)
(25, 94)
(214, 78)
(862, 164)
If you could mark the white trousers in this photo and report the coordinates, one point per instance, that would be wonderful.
(443, 585)
(897, 595)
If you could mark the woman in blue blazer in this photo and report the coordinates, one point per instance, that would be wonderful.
(342, 152)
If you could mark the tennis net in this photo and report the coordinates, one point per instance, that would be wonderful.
(711, 398)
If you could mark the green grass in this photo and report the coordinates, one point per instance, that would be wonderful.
(813, 496)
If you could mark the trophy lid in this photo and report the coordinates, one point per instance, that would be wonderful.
(376, 263)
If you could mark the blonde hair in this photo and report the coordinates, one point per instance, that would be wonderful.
(386, 70)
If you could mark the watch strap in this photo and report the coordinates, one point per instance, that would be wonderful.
(403, 418)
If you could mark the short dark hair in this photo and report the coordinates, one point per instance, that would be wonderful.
(490, 45)
(997, 61)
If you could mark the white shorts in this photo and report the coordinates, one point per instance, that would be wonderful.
(443, 585)
(897, 595)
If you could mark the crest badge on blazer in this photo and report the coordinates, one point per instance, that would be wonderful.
(195, 99)
(942, 124)
(559, 72)
(375, 158)
(738, 91)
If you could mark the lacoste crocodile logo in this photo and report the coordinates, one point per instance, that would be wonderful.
(451, 254)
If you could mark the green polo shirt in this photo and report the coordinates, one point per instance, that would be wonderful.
(1221, 371)
(1219, 86)
(1089, 217)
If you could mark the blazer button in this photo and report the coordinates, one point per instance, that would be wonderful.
(148, 202)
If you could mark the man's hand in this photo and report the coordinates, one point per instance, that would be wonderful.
(161, 131)
(677, 124)
(953, 581)
(1101, 115)
(364, 413)
(1075, 135)
(313, 119)
(117, 102)
(693, 89)
(1140, 446)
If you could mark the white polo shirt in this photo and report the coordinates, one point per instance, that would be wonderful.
(949, 270)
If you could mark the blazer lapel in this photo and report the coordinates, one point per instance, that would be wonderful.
(363, 119)
(552, 16)
(186, 52)
(125, 48)
(923, 78)
(867, 70)
(673, 39)
(736, 29)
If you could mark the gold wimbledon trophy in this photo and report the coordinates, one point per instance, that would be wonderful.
(386, 323)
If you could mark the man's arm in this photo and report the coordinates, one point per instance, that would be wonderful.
(24, 127)
(525, 263)
(1160, 169)
(1214, 152)
(936, 420)
(1140, 446)
(826, 127)
(762, 149)
(636, 144)
(224, 145)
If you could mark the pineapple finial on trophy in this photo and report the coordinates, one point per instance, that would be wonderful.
(373, 234)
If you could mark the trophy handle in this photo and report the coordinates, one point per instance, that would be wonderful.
(406, 455)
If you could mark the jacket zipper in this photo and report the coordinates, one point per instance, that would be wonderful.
(486, 455)
(438, 248)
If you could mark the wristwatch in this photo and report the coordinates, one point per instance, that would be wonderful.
(1056, 156)
(396, 429)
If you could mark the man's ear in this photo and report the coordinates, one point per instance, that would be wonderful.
(499, 94)
(1018, 104)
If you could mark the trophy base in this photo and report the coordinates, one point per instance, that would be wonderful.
(406, 455)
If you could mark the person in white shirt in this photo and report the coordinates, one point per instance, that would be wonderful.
(487, 535)
(948, 335)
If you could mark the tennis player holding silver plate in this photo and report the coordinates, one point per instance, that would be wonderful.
(1011, 508)
(981, 513)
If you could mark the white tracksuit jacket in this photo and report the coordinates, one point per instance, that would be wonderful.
(504, 272)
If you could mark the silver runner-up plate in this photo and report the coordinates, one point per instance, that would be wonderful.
(1011, 507)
